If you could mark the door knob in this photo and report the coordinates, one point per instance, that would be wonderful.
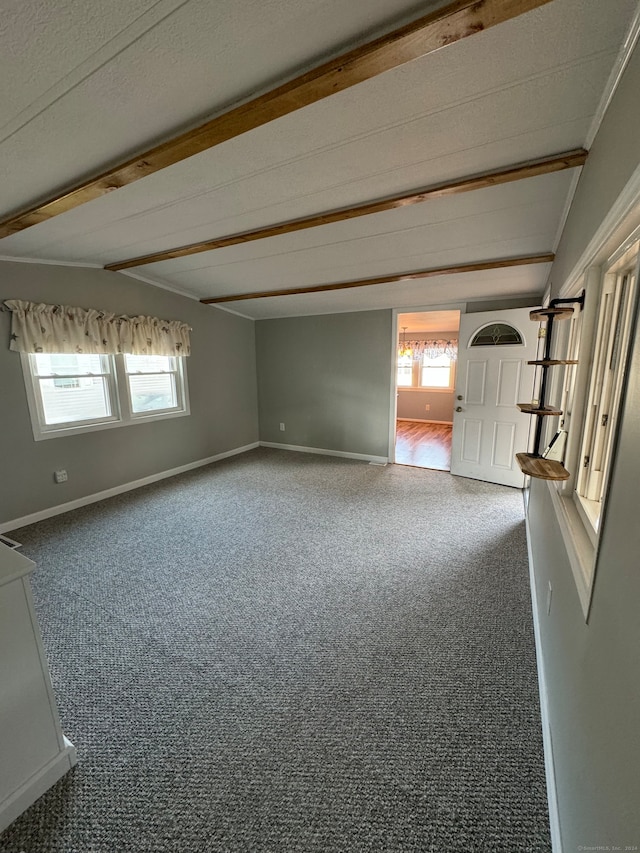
(458, 408)
(459, 397)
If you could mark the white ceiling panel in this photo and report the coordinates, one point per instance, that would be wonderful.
(187, 61)
(91, 83)
(440, 290)
(487, 224)
(429, 321)
(492, 131)
(432, 120)
(46, 47)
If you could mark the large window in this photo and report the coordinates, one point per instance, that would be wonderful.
(590, 397)
(431, 372)
(78, 393)
(72, 388)
(405, 371)
(437, 372)
(153, 383)
(609, 359)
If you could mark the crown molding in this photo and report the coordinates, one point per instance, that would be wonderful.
(155, 283)
(50, 262)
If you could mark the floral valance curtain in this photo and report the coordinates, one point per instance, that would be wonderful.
(36, 327)
(432, 349)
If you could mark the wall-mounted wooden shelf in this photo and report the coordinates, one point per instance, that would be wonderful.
(541, 468)
(541, 411)
(552, 362)
(541, 315)
(534, 464)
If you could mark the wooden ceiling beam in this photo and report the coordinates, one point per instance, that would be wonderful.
(456, 21)
(531, 169)
(387, 279)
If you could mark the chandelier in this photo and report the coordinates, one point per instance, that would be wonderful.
(417, 349)
(404, 350)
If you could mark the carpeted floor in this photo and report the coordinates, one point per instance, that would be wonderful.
(286, 652)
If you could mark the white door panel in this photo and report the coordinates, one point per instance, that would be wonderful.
(508, 383)
(471, 440)
(502, 452)
(489, 429)
(474, 391)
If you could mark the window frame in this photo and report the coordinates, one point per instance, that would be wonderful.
(123, 377)
(607, 376)
(580, 524)
(36, 402)
(520, 342)
(400, 366)
(452, 376)
(118, 389)
(416, 376)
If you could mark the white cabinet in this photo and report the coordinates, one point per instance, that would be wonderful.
(33, 751)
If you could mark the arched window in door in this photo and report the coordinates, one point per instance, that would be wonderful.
(496, 335)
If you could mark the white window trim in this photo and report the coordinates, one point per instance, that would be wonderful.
(122, 414)
(125, 404)
(450, 388)
(426, 390)
(578, 531)
(416, 374)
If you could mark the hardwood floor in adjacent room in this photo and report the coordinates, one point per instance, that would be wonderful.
(423, 445)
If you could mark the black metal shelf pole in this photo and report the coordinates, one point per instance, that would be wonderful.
(573, 300)
(543, 386)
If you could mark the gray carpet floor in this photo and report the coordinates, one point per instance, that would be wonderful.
(285, 652)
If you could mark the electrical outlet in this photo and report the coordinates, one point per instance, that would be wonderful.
(60, 476)
(549, 594)
(427, 407)
(281, 427)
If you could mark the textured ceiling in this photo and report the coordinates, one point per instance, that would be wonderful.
(429, 321)
(87, 84)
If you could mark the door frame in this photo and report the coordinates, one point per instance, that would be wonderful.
(393, 398)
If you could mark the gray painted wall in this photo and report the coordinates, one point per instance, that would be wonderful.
(593, 670)
(612, 160)
(504, 304)
(327, 378)
(222, 387)
(412, 403)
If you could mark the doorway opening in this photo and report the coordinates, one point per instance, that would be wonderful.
(425, 388)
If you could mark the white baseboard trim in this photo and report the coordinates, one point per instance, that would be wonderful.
(549, 766)
(424, 421)
(365, 457)
(118, 490)
(33, 788)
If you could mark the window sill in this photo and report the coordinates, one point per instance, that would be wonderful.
(581, 551)
(39, 435)
(590, 512)
(426, 390)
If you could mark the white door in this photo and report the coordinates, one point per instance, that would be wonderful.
(492, 376)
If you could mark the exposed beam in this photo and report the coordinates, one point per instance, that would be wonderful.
(531, 169)
(386, 279)
(445, 26)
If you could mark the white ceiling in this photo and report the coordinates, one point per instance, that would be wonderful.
(87, 84)
(429, 321)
